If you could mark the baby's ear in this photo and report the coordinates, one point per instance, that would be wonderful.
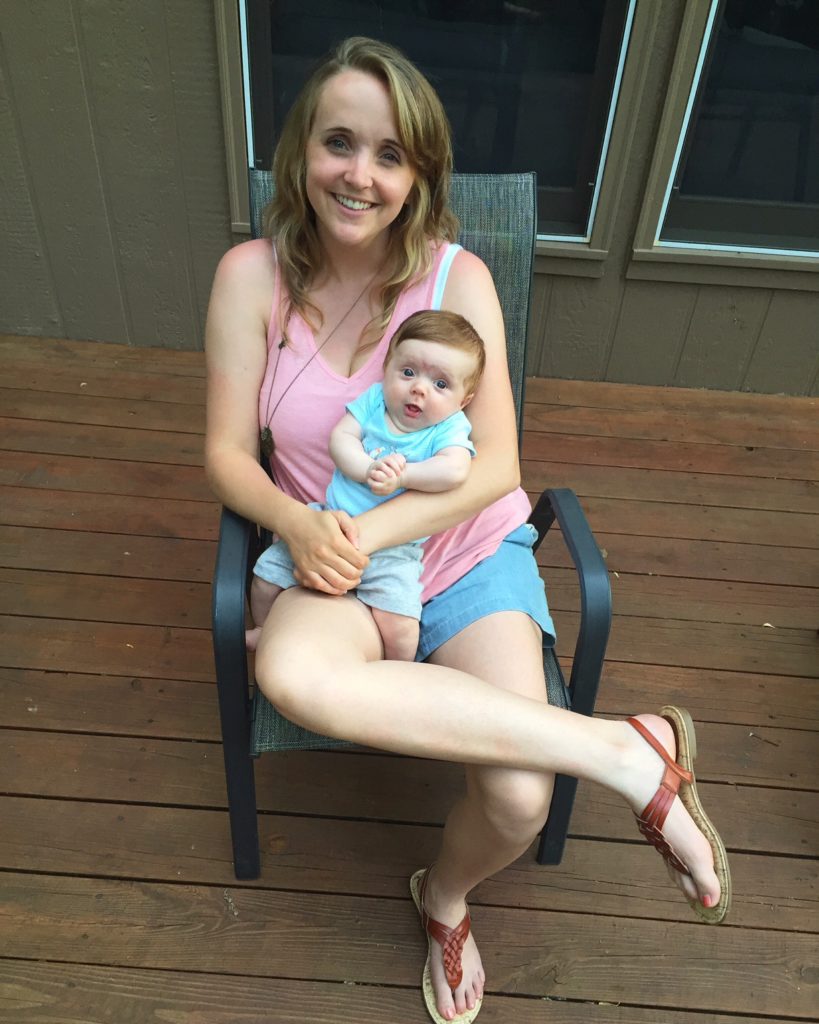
(467, 400)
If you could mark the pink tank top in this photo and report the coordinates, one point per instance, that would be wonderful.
(309, 398)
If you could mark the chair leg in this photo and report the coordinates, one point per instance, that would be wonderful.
(244, 827)
(230, 658)
(553, 837)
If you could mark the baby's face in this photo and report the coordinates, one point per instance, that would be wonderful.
(425, 382)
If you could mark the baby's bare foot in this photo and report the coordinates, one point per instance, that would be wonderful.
(252, 637)
(452, 1003)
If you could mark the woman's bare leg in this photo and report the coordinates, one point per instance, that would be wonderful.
(317, 660)
(504, 808)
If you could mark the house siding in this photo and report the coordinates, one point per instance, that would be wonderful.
(115, 212)
(114, 171)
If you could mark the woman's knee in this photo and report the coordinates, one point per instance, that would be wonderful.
(515, 802)
(306, 642)
(291, 674)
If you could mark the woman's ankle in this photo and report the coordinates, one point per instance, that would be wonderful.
(440, 901)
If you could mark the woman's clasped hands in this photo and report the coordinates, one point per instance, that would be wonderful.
(324, 547)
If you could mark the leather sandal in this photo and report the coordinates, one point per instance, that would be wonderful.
(451, 941)
(678, 780)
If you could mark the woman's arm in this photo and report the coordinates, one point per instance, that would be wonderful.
(236, 351)
(495, 471)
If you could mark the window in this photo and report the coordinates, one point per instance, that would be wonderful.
(746, 173)
(528, 85)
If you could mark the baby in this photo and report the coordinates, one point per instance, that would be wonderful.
(408, 432)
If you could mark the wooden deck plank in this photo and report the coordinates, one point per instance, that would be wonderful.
(91, 441)
(132, 385)
(368, 941)
(184, 653)
(127, 648)
(186, 449)
(694, 487)
(713, 403)
(104, 476)
(751, 699)
(116, 840)
(48, 993)
(22, 351)
(180, 653)
(698, 600)
(684, 457)
(168, 557)
(34, 593)
(763, 794)
(701, 559)
(42, 507)
(107, 554)
(701, 522)
(661, 424)
(108, 513)
(100, 411)
(47, 594)
(187, 709)
(117, 705)
(706, 505)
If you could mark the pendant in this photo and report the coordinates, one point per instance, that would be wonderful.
(266, 441)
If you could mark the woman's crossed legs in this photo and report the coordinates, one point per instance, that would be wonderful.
(318, 660)
(503, 809)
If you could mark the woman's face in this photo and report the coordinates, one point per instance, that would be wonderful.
(358, 173)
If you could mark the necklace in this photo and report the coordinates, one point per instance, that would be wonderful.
(266, 434)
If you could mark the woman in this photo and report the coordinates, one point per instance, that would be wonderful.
(361, 235)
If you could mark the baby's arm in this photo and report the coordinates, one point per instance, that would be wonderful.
(347, 450)
(446, 469)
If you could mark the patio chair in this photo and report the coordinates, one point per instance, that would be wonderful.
(498, 222)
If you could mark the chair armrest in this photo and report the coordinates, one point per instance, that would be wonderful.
(228, 599)
(595, 591)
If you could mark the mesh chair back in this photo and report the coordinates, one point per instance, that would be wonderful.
(497, 213)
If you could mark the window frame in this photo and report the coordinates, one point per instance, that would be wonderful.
(228, 17)
(564, 258)
(655, 260)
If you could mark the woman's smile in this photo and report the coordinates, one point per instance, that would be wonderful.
(353, 204)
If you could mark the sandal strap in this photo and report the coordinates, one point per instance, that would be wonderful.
(451, 940)
(652, 818)
(675, 774)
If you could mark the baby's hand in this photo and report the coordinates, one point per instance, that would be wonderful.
(384, 476)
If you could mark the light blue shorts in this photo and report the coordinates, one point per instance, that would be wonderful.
(391, 582)
(504, 582)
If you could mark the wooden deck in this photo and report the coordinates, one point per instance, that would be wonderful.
(119, 901)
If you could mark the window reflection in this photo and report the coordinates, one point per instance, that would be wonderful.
(527, 84)
(749, 173)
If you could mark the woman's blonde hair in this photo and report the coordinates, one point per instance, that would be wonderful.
(424, 133)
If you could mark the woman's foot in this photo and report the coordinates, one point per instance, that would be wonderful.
(449, 911)
(641, 773)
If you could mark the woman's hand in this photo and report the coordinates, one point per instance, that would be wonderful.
(323, 546)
